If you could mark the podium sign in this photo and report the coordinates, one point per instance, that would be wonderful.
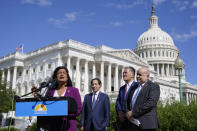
(30, 107)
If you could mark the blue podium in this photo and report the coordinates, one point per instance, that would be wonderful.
(31, 107)
(51, 111)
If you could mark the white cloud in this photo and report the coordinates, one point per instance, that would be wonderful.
(122, 23)
(65, 20)
(193, 16)
(116, 24)
(71, 16)
(126, 6)
(185, 36)
(28, 1)
(194, 4)
(44, 2)
(156, 2)
(37, 2)
(181, 5)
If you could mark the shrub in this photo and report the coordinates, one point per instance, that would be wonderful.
(177, 117)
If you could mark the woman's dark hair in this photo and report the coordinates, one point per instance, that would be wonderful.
(54, 76)
(99, 81)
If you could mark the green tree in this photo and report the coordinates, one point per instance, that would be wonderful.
(6, 97)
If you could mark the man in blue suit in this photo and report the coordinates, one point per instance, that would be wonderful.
(121, 102)
(96, 109)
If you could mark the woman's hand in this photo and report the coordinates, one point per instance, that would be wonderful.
(35, 94)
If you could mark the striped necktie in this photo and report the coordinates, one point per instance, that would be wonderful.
(94, 99)
(126, 90)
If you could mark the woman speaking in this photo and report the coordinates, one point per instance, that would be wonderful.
(64, 88)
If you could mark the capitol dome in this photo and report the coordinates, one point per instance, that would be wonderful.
(155, 35)
(158, 49)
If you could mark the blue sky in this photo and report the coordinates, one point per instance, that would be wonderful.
(115, 23)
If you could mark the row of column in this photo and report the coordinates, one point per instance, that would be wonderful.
(77, 78)
(86, 71)
(191, 97)
(157, 53)
(165, 69)
(8, 79)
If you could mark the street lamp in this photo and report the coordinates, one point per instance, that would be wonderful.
(179, 65)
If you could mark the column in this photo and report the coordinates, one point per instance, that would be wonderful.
(116, 78)
(77, 75)
(53, 66)
(167, 70)
(69, 67)
(173, 70)
(187, 98)
(14, 78)
(162, 70)
(30, 84)
(109, 78)
(86, 78)
(23, 80)
(102, 75)
(8, 78)
(157, 69)
(3, 77)
(59, 60)
(68, 64)
(122, 81)
(148, 53)
(37, 72)
(45, 70)
(93, 70)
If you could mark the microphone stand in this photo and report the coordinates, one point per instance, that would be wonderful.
(37, 90)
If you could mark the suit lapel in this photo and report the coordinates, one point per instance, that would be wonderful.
(91, 100)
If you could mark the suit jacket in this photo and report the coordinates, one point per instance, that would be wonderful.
(121, 101)
(145, 107)
(99, 115)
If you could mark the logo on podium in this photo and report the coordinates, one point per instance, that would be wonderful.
(40, 109)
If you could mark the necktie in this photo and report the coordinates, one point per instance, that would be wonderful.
(94, 99)
(126, 89)
(135, 96)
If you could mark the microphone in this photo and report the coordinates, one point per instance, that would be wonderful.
(51, 84)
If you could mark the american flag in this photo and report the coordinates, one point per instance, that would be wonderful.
(19, 48)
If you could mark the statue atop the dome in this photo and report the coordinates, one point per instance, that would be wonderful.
(153, 10)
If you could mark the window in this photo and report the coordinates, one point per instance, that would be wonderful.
(27, 71)
(41, 68)
(49, 66)
(20, 73)
(34, 70)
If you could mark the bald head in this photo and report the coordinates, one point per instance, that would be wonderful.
(143, 75)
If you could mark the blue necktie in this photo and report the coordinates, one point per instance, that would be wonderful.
(135, 96)
(94, 100)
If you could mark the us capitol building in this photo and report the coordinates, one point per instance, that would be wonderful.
(155, 49)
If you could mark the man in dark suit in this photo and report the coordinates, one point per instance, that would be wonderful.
(121, 102)
(142, 103)
(96, 109)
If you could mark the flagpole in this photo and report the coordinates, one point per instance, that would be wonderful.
(22, 48)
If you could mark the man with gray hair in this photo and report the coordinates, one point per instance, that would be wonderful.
(121, 102)
(142, 103)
